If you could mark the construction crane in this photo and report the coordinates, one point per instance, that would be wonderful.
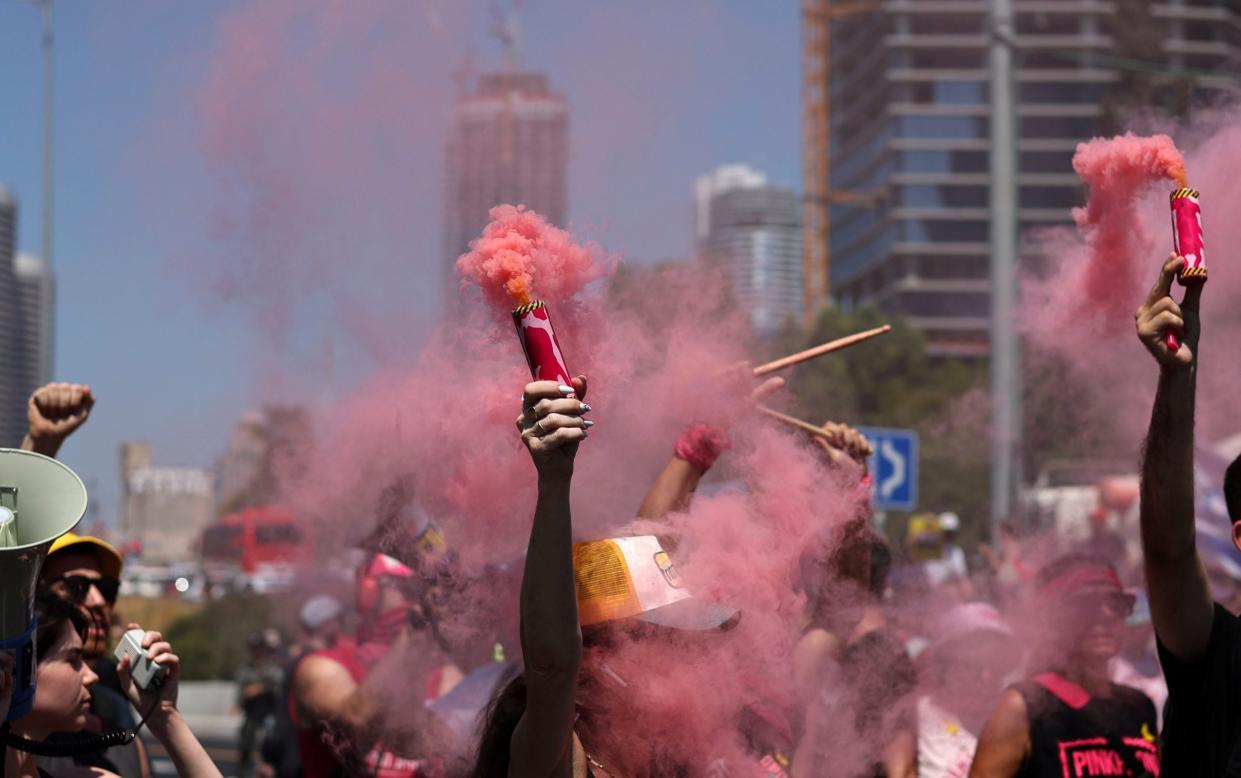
(817, 194)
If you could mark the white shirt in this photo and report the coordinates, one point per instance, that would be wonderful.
(950, 566)
(945, 746)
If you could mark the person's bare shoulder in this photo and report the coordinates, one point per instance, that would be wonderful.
(818, 645)
(1005, 740)
(318, 667)
(320, 686)
(1010, 713)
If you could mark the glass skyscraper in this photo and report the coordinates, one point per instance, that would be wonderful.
(25, 325)
(910, 122)
(753, 230)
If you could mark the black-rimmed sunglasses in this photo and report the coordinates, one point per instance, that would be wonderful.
(77, 587)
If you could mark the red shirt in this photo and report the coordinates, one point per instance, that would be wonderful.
(322, 749)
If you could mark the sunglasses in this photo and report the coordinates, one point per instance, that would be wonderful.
(1115, 604)
(77, 587)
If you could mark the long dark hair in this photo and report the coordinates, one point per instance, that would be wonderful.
(53, 613)
(497, 723)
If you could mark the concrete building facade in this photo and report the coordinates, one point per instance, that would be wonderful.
(165, 509)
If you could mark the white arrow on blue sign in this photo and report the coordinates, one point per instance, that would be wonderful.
(893, 467)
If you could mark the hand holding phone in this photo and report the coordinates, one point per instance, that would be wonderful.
(146, 673)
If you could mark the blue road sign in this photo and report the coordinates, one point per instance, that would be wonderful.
(893, 467)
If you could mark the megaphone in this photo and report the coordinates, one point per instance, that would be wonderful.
(40, 500)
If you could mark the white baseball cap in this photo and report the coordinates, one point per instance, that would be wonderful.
(319, 610)
(633, 577)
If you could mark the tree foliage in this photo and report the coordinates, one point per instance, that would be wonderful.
(891, 381)
(212, 642)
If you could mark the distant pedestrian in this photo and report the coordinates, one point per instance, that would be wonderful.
(258, 694)
(1068, 719)
(321, 619)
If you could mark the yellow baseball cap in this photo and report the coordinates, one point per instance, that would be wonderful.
(110, 561)
(633, 577)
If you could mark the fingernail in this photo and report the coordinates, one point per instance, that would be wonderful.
(585, 434)
(567, 389)
(588, 423)
(586, 408)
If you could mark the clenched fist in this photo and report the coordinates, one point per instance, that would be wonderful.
(845, 442)
(53, 413)
(552, 424)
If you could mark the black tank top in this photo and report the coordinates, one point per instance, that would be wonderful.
(1074, 735)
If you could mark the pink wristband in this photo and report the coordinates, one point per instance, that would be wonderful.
(700, 445)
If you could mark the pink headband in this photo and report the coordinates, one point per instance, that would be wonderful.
(1080, 577)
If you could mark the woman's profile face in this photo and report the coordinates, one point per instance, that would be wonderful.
(63, 684)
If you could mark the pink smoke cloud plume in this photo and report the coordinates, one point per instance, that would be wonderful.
(319, 126)
(1118, 171)
(520, 257)
(311, 168)
(1080, 305)
(649, 357)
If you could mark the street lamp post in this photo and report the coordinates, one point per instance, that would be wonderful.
(1005, 372)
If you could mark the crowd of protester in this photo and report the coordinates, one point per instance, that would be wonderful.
(913, 659)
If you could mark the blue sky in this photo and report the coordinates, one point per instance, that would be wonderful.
(659, 93)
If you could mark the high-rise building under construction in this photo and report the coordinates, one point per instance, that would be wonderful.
(909, 133)
(509, 143)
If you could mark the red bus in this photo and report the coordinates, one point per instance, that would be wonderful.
(254, 543)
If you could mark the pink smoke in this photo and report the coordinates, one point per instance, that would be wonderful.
(1095, 288)
(521, 256)
(319, 125)
(1080, 309)
(650, 357)
(319, 165)
(1118, 171)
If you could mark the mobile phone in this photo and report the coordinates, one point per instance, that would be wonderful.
(146, 674)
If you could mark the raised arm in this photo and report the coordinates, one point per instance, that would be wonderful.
(1181, 605)
(324, 691)
(695, 452)
(53, 412)
(900, 758)
(699, 445)
(159, 705)
(552, 427)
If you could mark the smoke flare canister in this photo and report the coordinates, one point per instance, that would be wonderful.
(538, 341)
(1187, 242)
(1187, 235)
